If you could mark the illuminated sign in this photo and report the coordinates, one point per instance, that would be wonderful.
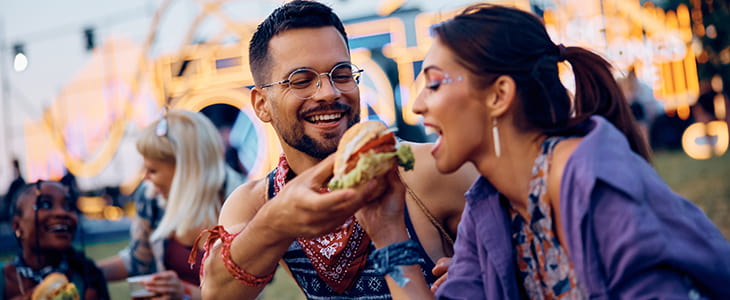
(655, 42)
(702, 141)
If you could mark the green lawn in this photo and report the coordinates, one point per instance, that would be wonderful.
(281, 288)
(704, 182)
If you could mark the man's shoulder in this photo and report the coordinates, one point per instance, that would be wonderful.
(249, 191)
(243, 202)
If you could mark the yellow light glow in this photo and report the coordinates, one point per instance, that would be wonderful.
(20, 63)
(685, 24)
(720, 107)
(387, 7)
(113, 213)
(700, 141)
(130, 209)
(91, 206)
(683, 111)
(720, 130)
(716, 83)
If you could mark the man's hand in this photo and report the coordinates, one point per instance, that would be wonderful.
(441, 271)
(302, 209)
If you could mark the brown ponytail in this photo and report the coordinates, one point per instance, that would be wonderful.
(598, 93)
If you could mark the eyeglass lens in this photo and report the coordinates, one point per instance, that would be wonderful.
(305, 83)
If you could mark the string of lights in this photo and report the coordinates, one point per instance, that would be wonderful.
(88, 33)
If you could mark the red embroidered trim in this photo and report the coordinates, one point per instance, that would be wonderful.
(338, 257)
(218, 232)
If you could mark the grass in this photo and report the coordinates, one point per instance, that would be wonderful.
(705, 182)
(282, 287)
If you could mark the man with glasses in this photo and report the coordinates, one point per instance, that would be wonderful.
(307, 88)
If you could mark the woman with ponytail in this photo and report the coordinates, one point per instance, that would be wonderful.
(568, 205)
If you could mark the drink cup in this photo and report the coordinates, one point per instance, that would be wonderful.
(137, 289)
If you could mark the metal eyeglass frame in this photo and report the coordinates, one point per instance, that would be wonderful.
(356, 73)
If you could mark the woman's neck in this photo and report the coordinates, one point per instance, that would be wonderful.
(511, 172)
(37, 260)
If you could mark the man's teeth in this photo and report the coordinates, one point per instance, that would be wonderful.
(325, 118)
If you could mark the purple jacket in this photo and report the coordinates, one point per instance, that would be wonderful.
(629, 236)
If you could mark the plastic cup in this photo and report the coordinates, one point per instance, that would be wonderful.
(137, 290)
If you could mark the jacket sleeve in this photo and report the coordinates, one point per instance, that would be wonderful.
(658, 246)
(464, 279)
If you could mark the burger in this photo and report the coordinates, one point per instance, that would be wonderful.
(55, 287)
(367, 150)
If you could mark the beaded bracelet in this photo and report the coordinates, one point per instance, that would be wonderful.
(388, 260)
(218, 232)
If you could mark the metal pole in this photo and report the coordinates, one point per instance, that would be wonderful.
(5, 87)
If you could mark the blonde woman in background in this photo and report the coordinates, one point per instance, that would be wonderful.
(186, 181)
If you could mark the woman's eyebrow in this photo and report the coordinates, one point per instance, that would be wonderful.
(433, 68)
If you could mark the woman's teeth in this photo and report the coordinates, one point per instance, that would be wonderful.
(58, 228)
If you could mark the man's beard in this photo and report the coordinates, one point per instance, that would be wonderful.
(294, 136)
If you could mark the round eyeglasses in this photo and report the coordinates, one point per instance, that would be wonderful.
(305, 82)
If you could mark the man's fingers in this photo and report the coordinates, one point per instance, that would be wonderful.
(347, 200)
(322, 171)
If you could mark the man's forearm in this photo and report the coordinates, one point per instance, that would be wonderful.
(255, 251)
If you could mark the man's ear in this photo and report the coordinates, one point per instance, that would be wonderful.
(503, 94)
(259, 99)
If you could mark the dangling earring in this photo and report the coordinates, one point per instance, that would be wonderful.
(17, 233)
(495, 137)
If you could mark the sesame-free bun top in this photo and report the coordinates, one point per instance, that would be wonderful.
(55, 287)
(353, 139)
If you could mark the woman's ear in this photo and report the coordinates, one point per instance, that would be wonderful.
(503, 94)
(259, 99)
(16, 227)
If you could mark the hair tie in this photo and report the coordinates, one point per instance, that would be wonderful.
(561, 53)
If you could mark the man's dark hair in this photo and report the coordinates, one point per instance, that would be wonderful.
(292, 15)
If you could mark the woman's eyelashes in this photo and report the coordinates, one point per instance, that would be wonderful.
(434, 84)
(46, 203)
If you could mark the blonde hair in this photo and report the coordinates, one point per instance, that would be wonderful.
(193, 144)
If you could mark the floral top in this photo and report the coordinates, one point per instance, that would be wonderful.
(545, 270)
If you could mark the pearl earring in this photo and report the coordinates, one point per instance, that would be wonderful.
(495, 137)
(17, 233)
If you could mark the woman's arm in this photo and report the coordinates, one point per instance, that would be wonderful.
(137, 258)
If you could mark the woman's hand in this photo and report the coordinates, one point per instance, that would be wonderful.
(441, 270)
(167, 285)
(383, 218)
